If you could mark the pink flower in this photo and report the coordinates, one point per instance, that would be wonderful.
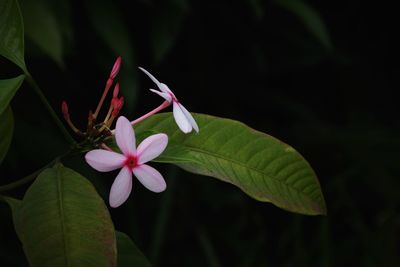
(183, 118)
(130, 161)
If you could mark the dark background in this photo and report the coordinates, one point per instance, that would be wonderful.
(320, 75)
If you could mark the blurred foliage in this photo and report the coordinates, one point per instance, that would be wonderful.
(265, 63)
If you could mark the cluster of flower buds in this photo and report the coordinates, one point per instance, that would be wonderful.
(132, 160)
(98, 131)
(102, 129)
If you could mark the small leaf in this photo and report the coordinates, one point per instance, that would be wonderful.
(310, 18)
(6, 132)
(12, 33)
(42, 28)
(166, 25)
(62, 221)
(8, 88)
(262, 166)
(128, 253)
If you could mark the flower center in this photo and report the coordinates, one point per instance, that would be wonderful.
(173, 97)
(131, 162)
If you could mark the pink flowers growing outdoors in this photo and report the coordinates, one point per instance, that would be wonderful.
(183, 118)
(131, 160)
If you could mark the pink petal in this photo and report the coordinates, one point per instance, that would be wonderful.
(103, 160)
(180, 118)
(121, 188)
(153, 79)
(166, 96)
(150, 178)
(125, 136)
(151, 147)
(190, 118)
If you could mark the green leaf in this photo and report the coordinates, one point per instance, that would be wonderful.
(128, 253)
(310, 19)
(62, 221)
(166, 25)
(8, 88)
(42, 28)
(12, 33)
(262, 166)
(6, 132)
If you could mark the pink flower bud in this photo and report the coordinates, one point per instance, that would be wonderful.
(64, 109)
(115, 69)
(116, 91)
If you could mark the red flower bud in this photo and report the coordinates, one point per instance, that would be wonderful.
(116, 91)
(118, 105)
(64, 109)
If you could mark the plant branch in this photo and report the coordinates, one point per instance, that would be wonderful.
(53, 114)
(32, 176)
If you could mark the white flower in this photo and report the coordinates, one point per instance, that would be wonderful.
(130, 161)
(183, 118)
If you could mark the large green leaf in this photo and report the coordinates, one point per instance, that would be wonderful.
(262, 166)
(62, 221)
(310, 18)
(6, 131)
(12, 32)
(8, 88)
(128, 254)
(42, 28)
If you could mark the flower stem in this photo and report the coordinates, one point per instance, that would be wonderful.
(145, 116)
(26, 179)
(53, 114)
(103, 97)
(154, 111)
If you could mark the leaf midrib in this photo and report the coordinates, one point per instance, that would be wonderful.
(61, 210)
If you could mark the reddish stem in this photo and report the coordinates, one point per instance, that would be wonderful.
(154, 111)
(164, 105)
(108, 85)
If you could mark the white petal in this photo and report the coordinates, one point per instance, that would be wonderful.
(121, 188)
(151, 147)
(153, 79)
(180, 118)
(166, 96)
(166, 89)
(125, 136)
(104, 160)
(189, 117)
(150, 178)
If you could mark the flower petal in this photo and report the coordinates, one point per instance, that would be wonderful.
(150, 178)
(166, 96)
(125, 136)
(103, 160)
(151, 147)
(153, 79)
(121, 188)
(165, 88)
(180, 118)
(189, 117)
